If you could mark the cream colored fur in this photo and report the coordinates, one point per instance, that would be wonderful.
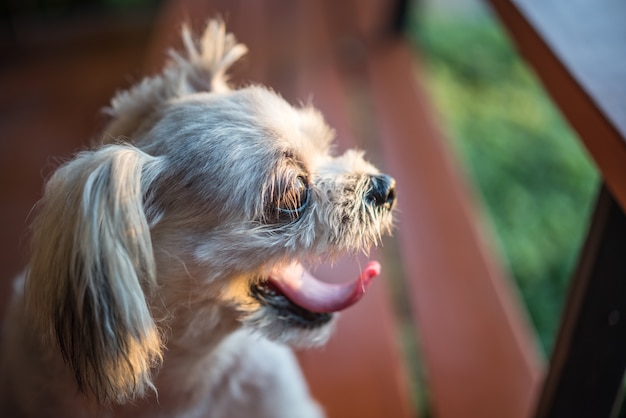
(136, 301)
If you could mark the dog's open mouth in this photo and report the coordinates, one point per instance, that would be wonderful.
(305, 301)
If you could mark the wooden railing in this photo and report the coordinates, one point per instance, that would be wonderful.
(577, 50)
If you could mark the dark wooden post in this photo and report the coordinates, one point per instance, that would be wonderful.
(589, 359)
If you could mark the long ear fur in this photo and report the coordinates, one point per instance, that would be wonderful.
(92, 264)
(201, 67)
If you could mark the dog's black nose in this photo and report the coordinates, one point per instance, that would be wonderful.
(382, 191)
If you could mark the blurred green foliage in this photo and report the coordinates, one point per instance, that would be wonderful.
(537, 183)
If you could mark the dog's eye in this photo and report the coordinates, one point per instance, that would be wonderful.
(294, 199)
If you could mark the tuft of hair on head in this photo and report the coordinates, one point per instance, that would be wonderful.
(91, 268)
(207, 60)
(201, 67)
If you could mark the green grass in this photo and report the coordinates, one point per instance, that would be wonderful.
(536, 182)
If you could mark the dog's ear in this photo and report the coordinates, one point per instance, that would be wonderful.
(92, 266)
(201, 67)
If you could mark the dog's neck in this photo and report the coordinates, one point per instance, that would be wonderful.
(192, 337)
(193, 365)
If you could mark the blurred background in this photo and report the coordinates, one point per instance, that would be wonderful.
(61, 61)
(536, 181)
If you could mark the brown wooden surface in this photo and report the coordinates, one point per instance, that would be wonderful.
(479, 350)
(577, 50)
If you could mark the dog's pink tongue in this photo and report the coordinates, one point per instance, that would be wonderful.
(317, 296)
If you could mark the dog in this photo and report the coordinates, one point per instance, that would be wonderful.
(167, 275)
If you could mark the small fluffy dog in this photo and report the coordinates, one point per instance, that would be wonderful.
(166, 277)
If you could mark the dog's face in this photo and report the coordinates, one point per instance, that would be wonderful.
(203, 218)
(248, 190)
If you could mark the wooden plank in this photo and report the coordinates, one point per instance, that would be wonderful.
(480, 354)
(363, 357)
(360, 373)
(576, 49)
(589, 359)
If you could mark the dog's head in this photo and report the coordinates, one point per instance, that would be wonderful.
(197, 217)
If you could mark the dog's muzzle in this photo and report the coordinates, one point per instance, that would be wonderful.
(304, 301)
